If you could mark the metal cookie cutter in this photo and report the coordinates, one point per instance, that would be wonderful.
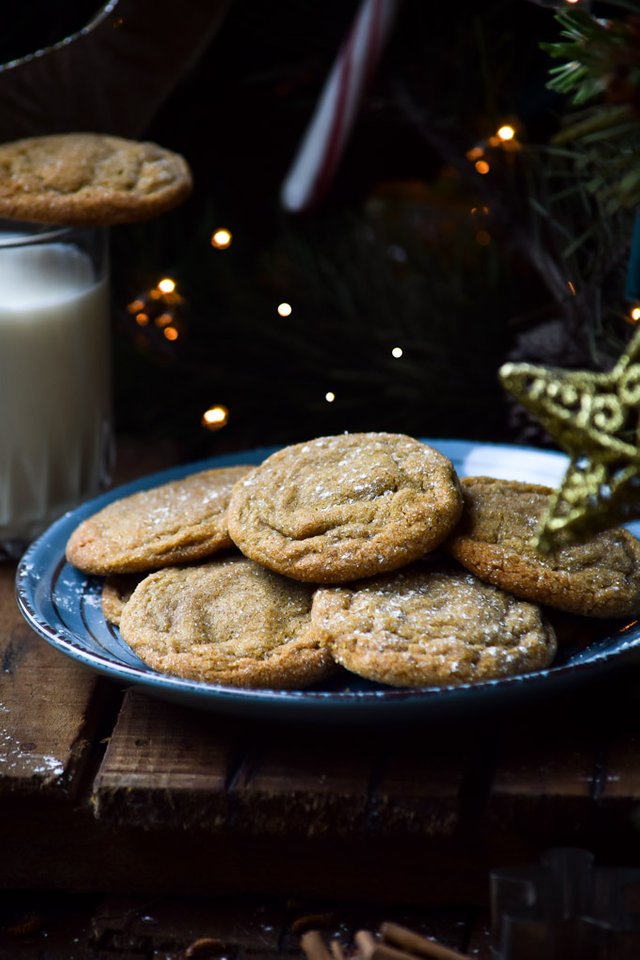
(564, 908)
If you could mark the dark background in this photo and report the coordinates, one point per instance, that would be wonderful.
(390, 258)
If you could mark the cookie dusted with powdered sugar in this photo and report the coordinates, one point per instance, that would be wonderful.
(228, 621)
(339, 508)
(598, 578)
(175, 522)
(429, 625)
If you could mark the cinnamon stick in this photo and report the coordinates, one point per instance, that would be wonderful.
(366, 943)
(336, 950)
(415, 943)
(313, 946)
(372, 949)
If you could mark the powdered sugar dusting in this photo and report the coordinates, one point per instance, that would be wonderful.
(427, 625)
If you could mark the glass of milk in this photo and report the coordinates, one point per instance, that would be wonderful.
(55, 375)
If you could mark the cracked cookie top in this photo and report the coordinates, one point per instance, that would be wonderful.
(598, 578)
(227, 621)
(175, 522)
(343, 507)
(431, 625)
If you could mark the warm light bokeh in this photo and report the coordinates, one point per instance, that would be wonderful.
(215, 417)
(221, 238)
(506, 132)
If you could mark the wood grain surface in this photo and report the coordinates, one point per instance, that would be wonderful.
(45, 705)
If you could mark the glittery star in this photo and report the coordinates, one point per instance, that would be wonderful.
(595, 418)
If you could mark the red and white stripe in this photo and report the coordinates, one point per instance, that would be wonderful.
(314, 167)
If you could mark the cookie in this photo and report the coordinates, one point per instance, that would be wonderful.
(116, 591)
(340, 508)
(175, 522)
(428, 625)
(228, 621)
(89, 178)
(599, 578)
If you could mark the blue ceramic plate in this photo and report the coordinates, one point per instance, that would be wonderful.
(64, 607)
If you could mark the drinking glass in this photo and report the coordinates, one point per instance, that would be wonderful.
(56, 444)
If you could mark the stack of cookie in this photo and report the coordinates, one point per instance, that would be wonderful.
(360, 550)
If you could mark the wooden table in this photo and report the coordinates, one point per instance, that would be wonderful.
(114, 803)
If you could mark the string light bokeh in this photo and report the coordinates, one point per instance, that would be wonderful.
(221, 238)
(280, 322)
(159, 315)
(215, 417)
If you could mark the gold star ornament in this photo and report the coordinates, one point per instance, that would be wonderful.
(595, 418)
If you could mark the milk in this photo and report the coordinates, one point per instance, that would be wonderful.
(54, 384)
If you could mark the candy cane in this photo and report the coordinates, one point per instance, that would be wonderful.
(313, 169)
